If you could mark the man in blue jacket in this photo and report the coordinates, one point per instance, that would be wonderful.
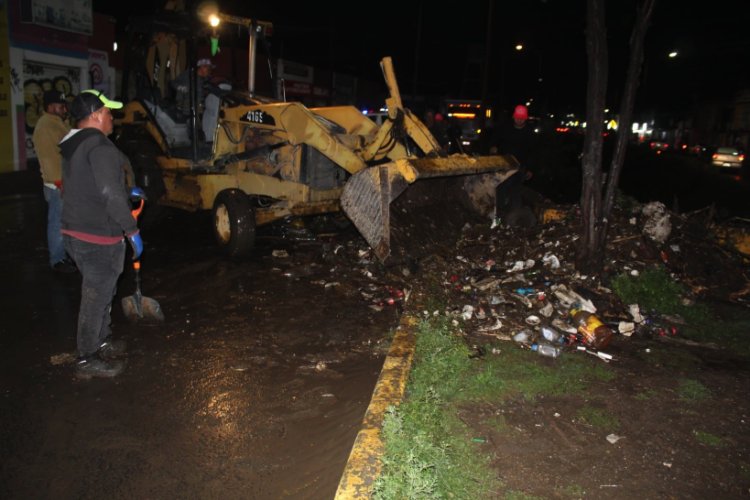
(96, 220)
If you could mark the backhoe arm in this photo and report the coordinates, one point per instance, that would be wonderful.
(412, 126)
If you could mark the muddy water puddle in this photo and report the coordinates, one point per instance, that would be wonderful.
(253, 387)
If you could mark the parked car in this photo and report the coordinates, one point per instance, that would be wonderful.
(658, 146)
(728, 158)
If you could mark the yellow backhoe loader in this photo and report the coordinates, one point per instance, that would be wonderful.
(269, 160)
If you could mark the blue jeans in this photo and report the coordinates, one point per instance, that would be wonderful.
(100, 266)
(54, 225)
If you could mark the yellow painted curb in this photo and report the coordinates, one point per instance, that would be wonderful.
(363, 465)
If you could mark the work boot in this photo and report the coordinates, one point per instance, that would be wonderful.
(111, 348)
(93, 366)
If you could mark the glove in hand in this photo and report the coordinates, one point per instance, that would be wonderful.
(137, 243)
(137, 194)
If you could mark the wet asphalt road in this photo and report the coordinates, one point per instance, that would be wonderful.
(254, 387)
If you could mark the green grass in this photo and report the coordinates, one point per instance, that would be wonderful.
(573, 491)
(654, 290)
(673, 359)
(429, 452)
(692, 390)
(599, 418)
(646, 395)
(519, 373)
(709, 439)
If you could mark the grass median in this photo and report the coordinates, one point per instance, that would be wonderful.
(430, 452)
(435, 450)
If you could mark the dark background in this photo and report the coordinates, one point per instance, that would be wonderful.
(439, 50)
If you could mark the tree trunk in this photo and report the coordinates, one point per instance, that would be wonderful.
(590, 257)
(637, 38)
(596, 204)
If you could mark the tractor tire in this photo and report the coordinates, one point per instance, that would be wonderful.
(234, 223)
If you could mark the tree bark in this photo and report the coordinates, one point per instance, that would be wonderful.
(637, 38)
(596, 202)
(590, 258)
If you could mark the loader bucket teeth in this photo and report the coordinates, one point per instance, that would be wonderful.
(367, 196)
(366, 200)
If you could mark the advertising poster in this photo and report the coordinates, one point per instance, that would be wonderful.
(38, 78)
(6, 116)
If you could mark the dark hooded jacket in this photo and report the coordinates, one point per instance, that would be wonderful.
(96, 204)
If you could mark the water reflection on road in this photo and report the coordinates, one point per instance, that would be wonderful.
(254, 387)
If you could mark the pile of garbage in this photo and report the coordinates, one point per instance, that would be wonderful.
(520, 284)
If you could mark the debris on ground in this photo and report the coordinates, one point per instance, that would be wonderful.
(520, 284)
(515, 283)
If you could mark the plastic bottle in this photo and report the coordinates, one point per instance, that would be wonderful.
(552, 336)
(595, 333)
(546, 350)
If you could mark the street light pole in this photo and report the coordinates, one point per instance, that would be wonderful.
(487, 53)
(253, 28)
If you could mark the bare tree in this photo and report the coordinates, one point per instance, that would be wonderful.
(597, 199)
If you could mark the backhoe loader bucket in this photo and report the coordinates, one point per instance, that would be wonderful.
(367, 196)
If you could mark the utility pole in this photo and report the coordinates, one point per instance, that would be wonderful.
(487, 53)
(416, 51)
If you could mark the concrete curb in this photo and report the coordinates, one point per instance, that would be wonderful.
(363, 465)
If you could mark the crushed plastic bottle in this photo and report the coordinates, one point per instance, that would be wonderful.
(552, 336)
(521, 337)
(546, 350)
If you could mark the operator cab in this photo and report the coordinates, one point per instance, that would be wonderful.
(175, 125)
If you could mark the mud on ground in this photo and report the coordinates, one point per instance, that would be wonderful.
(676, 411)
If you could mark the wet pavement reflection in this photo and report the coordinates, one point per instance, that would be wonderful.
(253, 387)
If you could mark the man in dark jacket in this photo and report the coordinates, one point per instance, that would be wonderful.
(517, 139)
(96, 219)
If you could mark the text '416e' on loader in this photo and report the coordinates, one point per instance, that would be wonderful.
(269, 160)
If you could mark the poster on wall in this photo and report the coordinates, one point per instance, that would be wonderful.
(67, 15)
(38, 78)
(6, 80)
(99, 71)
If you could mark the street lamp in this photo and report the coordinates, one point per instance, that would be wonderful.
(540, 78)
(211, 14)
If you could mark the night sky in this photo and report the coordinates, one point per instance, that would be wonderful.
(446, 46)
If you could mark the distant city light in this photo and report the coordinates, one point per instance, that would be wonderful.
(519, 47)
(673, 54)
(214, 20)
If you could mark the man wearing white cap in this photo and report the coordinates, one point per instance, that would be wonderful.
(181, 84)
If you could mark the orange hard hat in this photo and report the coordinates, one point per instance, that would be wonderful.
(521, 112)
